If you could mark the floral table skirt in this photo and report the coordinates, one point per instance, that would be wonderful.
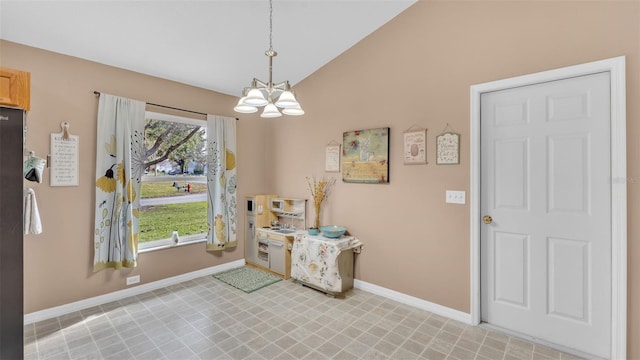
(315, 260)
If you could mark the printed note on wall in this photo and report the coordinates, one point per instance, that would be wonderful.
(332, 158)
(415, 146)
(64, 159)
(448, 149)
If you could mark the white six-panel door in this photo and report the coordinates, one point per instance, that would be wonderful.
(546, 186)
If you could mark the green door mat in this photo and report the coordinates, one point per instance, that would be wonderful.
(247, 279)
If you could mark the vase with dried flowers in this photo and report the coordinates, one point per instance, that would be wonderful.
(320, 190)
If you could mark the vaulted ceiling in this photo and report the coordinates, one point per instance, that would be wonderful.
(213, 44)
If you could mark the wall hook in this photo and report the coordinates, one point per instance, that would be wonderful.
(65, 130)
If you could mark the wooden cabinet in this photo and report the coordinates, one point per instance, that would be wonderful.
(267, 247)
(272, 252)
(262, 249)
(277, 249)
(278, 255)
(15, 88)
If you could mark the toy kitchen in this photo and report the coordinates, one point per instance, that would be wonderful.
(271, 223)
(276, 240)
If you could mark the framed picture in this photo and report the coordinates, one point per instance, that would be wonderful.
(448, 149)
(365, 156)
(415, 146)
(332, 158)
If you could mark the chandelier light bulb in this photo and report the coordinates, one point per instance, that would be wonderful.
(270, 111)
(244, 108)
(255, 98)
(287, 100)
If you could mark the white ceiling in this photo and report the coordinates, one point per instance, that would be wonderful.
(213, 44)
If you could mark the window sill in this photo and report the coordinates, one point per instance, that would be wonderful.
(168, 244)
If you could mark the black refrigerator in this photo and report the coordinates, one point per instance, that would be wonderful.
(11, 233)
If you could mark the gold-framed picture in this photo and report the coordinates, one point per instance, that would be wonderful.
(365, 156)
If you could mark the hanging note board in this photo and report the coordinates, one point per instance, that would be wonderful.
(415, 146)
(64, 158)
(448, 149)
(332, 158)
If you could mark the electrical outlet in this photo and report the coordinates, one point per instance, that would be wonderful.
(455, 197)
(133, 280)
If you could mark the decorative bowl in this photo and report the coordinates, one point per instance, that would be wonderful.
(333, 231)
(313, 231)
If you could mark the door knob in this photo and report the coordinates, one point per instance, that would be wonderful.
(487, 219)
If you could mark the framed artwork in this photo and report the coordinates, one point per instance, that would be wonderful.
(332, 157)
(365, 156)
(448, 149)
(415, 146)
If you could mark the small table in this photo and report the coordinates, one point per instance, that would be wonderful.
(324, 263)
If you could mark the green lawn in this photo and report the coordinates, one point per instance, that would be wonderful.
(156, 221)
(159, 221)
(166, 188)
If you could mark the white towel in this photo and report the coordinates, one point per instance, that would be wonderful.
(32, 224)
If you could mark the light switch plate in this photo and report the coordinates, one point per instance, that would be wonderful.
(455, 197)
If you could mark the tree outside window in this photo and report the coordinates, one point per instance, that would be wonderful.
(174, 186)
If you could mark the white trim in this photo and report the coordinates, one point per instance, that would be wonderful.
(413, 301)
(163, 244)
(616, 67)
(174, 118)
(121, 294)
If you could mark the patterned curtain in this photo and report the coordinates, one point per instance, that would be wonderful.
(119, 165)
(221, 183)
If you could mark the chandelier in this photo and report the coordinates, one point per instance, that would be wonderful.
(271, 96)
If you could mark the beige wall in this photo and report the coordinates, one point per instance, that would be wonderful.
(416, 70)
(58, 262)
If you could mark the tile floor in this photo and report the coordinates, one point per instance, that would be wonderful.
(207, 319)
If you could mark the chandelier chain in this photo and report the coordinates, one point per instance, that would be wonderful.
(270, 25)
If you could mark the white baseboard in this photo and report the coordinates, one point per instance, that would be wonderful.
(413, 301)
(121, 294)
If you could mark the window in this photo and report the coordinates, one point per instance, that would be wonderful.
(174, 186)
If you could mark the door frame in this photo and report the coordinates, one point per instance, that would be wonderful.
(616, 67)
